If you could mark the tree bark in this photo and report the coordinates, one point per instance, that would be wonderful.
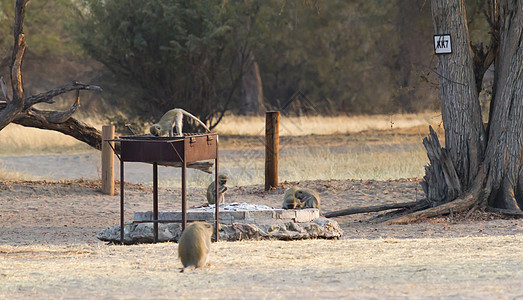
(490, 171)
(454, 167)
(72, 127)
(14, 106)
(461, 113)
(505, 144)
(441, 182)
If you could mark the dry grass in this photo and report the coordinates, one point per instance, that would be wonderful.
(20, 140)
(389, 154)
(472, 267)
(324, 163)
(298, 126)
(315, 164)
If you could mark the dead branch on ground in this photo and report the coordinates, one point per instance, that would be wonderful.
(375, 208)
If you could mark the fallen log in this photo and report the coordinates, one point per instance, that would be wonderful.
(366, 209)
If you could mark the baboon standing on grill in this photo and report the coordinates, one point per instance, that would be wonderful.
(222, 189)
(194, 245)
(289, 198)
(309, 198)
(173, 118)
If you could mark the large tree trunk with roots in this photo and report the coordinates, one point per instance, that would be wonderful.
(477, 168)
(461, 113)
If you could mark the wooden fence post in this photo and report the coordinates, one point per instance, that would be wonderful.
(107, 161)
(272, 144)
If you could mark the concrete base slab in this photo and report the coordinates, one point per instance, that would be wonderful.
(236, 213)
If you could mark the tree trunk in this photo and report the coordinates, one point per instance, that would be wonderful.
(251, 89)
(505, 145)
(461, 113)
(454, 167)
(490, 171)
(14, 106)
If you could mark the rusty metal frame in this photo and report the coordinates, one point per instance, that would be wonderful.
(187, 140)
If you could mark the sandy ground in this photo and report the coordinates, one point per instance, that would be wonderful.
(48, 249)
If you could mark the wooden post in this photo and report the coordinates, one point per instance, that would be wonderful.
(272, 143)
(107, 160)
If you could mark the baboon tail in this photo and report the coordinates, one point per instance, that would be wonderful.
(195, 118)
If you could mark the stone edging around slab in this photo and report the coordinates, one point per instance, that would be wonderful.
(143, 232)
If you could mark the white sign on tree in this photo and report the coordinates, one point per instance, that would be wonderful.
(442, 44)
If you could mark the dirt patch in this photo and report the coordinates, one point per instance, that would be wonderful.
(48, 248)
(74, 211)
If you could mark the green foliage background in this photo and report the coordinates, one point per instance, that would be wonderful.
(46, 31)
(348, 57)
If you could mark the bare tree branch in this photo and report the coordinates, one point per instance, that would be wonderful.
(47, 96)
(19, 109)
(375, 208)
(18, 54)
(62, 116)
(15, 106)
(72, 127)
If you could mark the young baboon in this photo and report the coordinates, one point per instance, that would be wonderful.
(172, 118)
(309, 198)
(195, 244)
(222, 189)
(289, 198)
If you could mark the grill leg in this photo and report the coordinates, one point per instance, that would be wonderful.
(184, 195)
(155, 201)
(121, 204)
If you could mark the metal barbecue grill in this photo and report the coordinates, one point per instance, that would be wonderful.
(167, 151)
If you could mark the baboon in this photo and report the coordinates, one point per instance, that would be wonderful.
(289, 198)
(194, 245)
(308, 198)
(222, 189)
(172, 118)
